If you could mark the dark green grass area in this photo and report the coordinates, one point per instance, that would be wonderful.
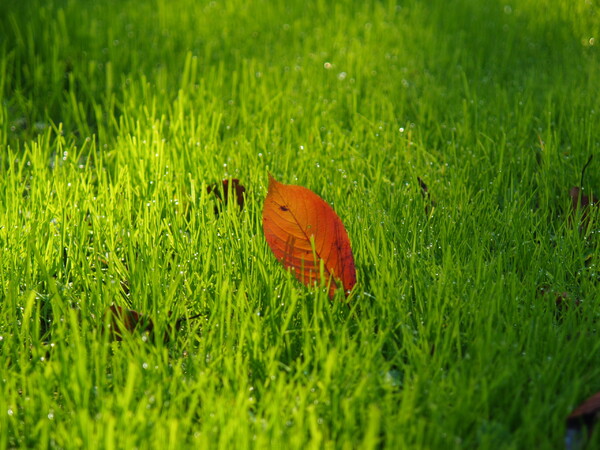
(117, 116)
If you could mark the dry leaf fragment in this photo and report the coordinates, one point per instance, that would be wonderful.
(563, 300)
(426, 195)
(581, 201)
(222, 192)
(121, 321)
(302, 230)
(581, 421)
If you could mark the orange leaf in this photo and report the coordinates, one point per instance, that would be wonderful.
(303, 230)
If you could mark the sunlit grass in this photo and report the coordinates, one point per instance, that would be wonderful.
(117, 116)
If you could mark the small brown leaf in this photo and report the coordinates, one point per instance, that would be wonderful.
(120, 321)
(562, 299)
(427, 196)
(222, 192)
(581, 201)
(582, 419)
(424, 189)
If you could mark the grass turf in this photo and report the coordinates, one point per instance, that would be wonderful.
(115, 118)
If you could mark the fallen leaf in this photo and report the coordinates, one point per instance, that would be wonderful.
(222, 192)
(302, 230)
(426, 195)
(583, 418)
(120, 321)
(581, 201)
(562, 299)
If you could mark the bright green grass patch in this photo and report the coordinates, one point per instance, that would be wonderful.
(116, 116)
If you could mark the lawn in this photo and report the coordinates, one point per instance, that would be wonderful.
(474, 319)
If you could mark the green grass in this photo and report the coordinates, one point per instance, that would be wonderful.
(116, 116)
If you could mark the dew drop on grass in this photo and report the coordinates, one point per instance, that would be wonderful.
(10, 411)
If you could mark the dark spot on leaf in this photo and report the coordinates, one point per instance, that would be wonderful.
(283, 208)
